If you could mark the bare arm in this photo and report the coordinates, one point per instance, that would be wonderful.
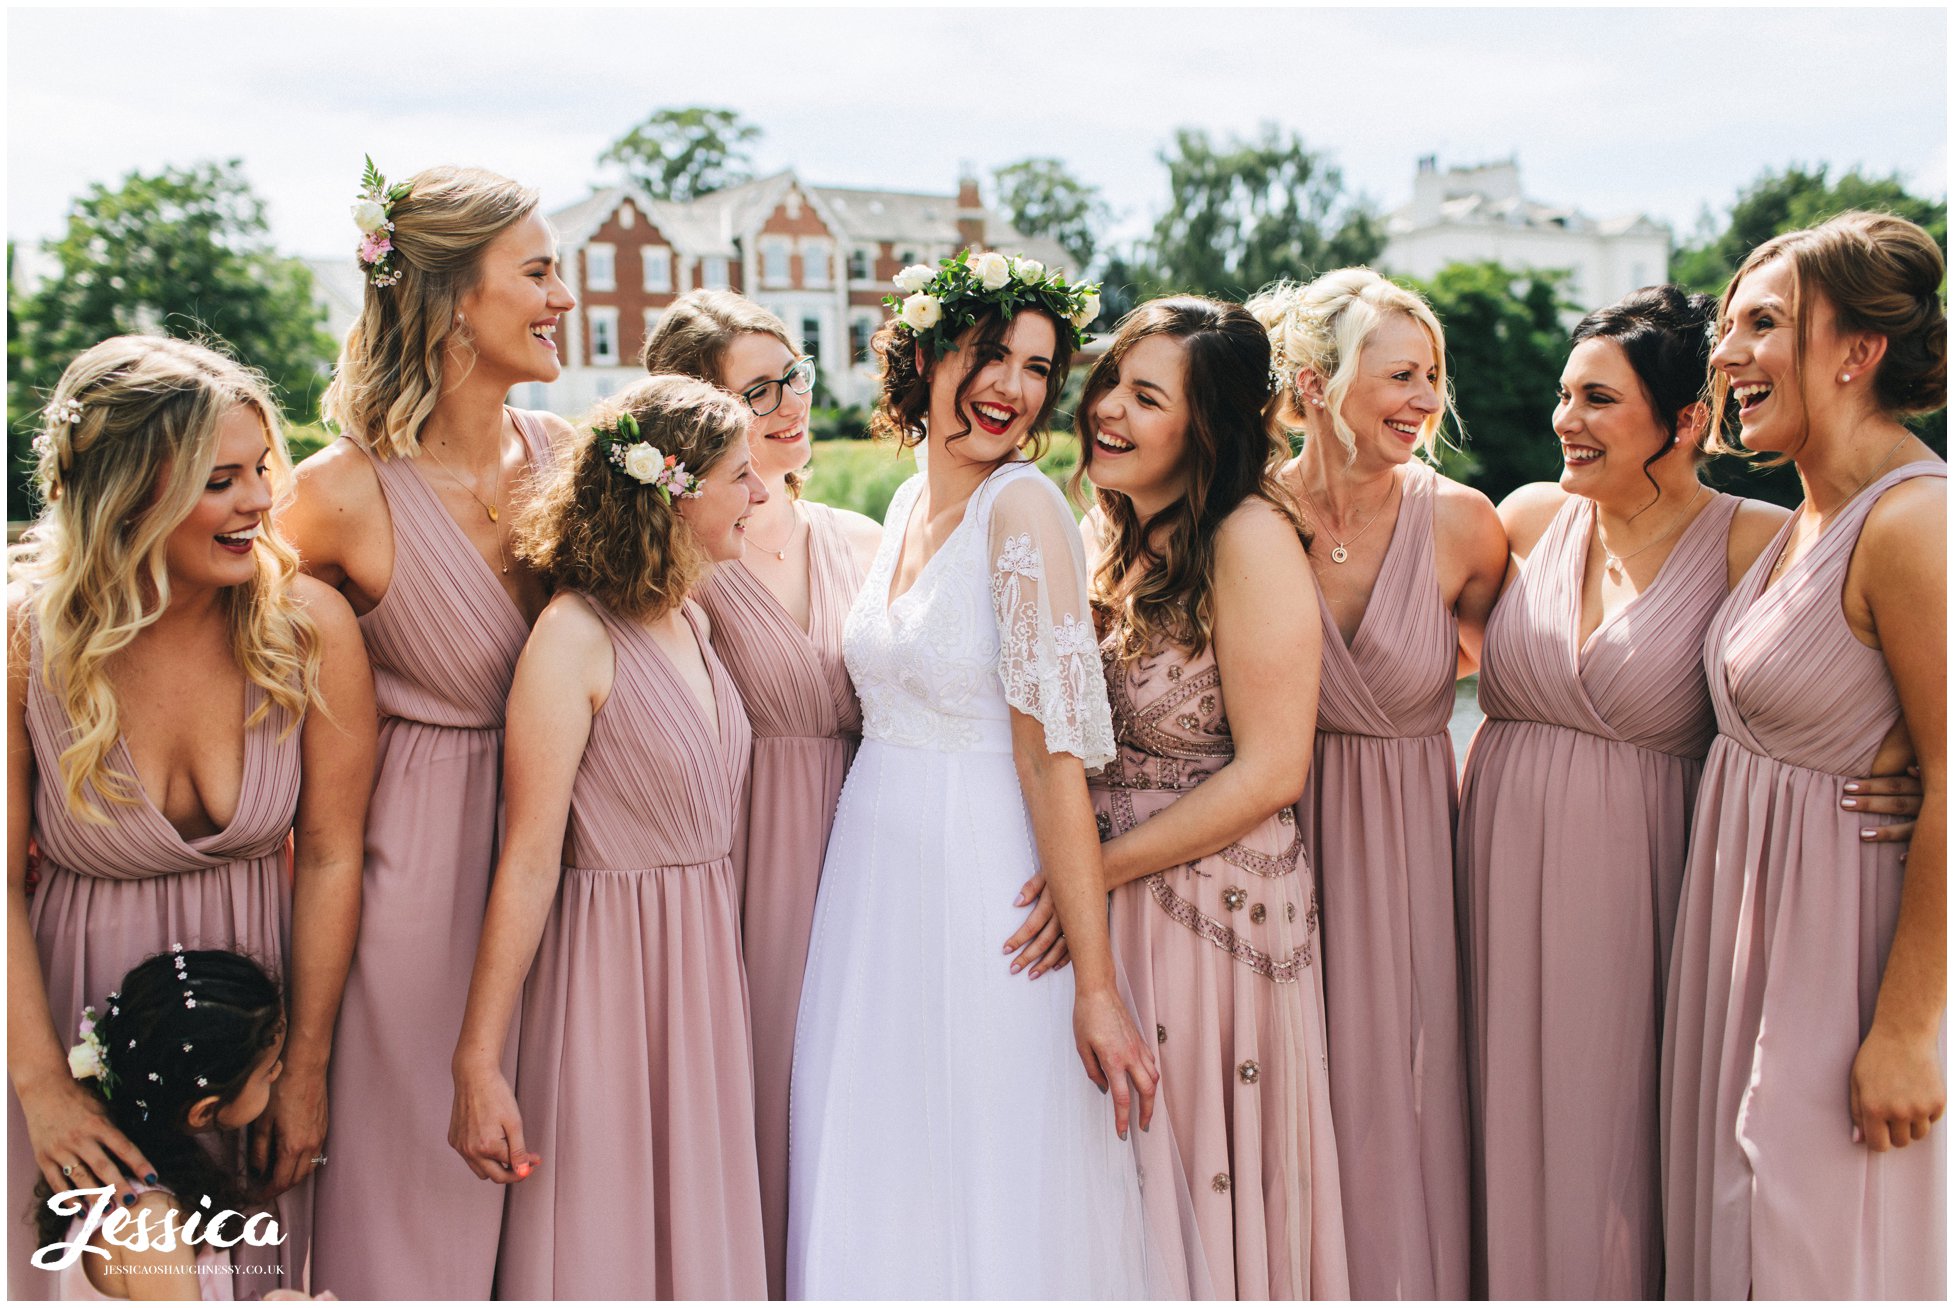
(562, 679)
(338, 523)
(1898, 1089)
(329, 846)
(1268, 643)
(1472, 552)
(65, 1123)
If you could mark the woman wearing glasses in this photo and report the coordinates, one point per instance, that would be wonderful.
(777, 615)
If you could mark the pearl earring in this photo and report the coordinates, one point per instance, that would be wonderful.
(1845, 378)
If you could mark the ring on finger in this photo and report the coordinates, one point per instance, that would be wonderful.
(68, 1169)
(318, 1160)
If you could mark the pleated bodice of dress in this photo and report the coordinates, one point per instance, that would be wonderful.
(648, 803)
(755, 635)
(1787, 676)
(1633, 678)
(445, 637)
(1395, 676)
(139, 841)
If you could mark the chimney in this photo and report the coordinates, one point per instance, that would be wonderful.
(970, 208)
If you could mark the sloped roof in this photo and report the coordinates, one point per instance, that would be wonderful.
(893, 215)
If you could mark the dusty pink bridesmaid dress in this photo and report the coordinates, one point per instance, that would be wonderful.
(636, 1073)
(110, 896)
(1780, 944)
(1377, 827)
(806, 725)
(399, 1215)
(1219, 957)
(1573, 828)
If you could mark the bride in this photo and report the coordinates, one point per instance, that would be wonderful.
(943, 1145)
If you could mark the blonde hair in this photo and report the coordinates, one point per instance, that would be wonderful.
(391, 369)
(695, 332)
(592, 527)
(1882, 274)
(116, 482)
(1324, 325)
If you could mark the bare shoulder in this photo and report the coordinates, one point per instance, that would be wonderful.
(339, 477)
(1910, 514)
(1255, 528)
(1752, 528)
(1465, 519)
(556, 428)
(567, 622)
(1527, 511)
(860, 530)
(327, 608)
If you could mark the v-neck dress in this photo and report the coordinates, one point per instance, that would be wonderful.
(1781, 942)
(112, 895)
(635, 1078)
(1377, 827)
(1573, 828)
(806, 725)
(443, 641)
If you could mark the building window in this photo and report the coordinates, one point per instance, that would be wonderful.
(811, 336)
(861, 263)
(861, 331)
(599, 268)
(776, 263)
(908, 257)
(603, 336)
(817, 263)
(658, 268)
(717, 276)
(651, 321)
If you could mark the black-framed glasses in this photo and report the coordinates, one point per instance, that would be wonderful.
(766, 397)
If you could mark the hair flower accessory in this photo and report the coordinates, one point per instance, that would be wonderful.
(373, 215)
(88, 1058)
(644, 462)
(66, 411)
(936, 305)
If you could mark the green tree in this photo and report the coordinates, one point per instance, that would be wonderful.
(1505, 345)
(1778, 202)
(682, 154)
(1248, 211)
(187, 252)
(1043, 198)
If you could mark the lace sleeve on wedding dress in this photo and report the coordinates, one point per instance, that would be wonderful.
(1048, 654)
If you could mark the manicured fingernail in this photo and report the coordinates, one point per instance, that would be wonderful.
(1851, 787)
(1848, 803)
(149, 1178)
(1122, 1135)
(1867, 833)
(1016, 968)
(128, 1199)
(1857, 1136)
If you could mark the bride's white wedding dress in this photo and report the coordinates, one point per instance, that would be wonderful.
(945, 1142)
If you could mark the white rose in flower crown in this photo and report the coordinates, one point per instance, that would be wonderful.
(914, 278)
(991, 270)
(1028, 270)
(922, 312)
(370, 216)
(644, 461)
(1088, 310)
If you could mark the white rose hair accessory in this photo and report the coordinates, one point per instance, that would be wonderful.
(624, 446)
(373, 215)
(937, 305)
(89, 1059)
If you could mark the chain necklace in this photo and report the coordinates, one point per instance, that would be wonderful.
(493, 510)
(793, 524)
(1341, 552)
(1785, 554)
(1615, 563)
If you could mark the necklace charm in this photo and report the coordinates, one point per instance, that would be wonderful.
(1339, 555)
(494, 516)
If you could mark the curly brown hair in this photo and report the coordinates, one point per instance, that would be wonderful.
(902, 409)
(591, 527)
(1881, 274)
(1156, 580)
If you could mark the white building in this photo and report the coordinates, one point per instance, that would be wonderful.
(1470, 215)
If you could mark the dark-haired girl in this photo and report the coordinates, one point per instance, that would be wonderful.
(1198, 565)
(1574, 809)
(628, 1134)
(1802, 1067)
(187, 1047)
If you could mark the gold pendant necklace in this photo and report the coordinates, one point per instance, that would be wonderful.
(493, 510)
(1341, 551)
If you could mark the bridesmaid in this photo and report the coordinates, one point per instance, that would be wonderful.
(181, 699)
(776, 615)
(1805, 1165)
(630, 1127)
(409, 514)
(1574, 811)
(1407, 564)
(1197, 560)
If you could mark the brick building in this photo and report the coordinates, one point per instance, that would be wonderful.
(821, 257)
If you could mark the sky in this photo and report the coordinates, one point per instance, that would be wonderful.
(1663, 111)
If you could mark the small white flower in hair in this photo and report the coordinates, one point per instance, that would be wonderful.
(68, 411)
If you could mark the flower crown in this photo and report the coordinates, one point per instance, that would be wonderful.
(944, 300)
(373, 214)
(621, 442)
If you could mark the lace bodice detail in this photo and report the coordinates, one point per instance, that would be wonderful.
(997, 620)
